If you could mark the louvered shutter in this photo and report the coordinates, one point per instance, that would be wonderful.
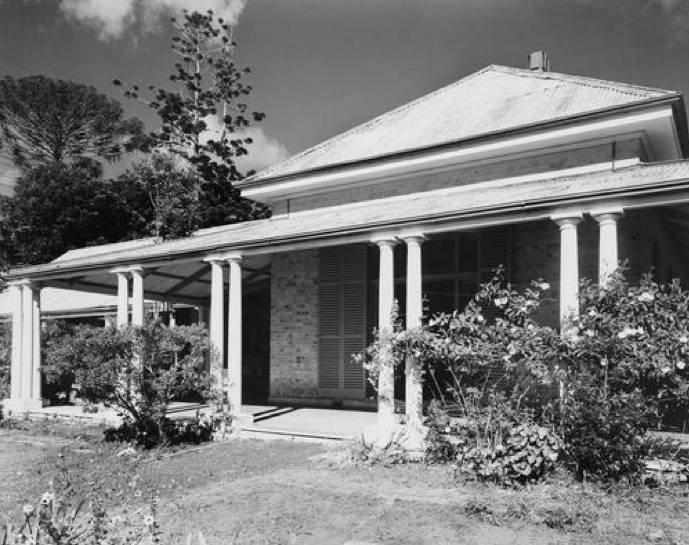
(342, 287)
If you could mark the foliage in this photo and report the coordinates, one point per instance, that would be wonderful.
(615, 365)
(168, 187)
(58, 380)
(45, 121)
(525, 454)
(467, 344)
(631, 338)
(5, 364)
(604, 432)
(139, 370)
(209, 91)
(59, 207)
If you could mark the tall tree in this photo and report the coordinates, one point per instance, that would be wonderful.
(47, 121)
(204, 116)
(60, 207)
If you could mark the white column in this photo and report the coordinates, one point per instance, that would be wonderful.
(386, 301)
(17, 326)
(234, 335)
(36, 386)
(217, 319)
(27, 340)
(569, 267)
(122, 298)
(137, 297)
(413, 383)
(608, 258)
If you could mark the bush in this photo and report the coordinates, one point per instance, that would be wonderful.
(617, 366)
(140, 371)
(604, 432)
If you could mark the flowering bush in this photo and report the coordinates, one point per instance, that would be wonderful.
(631, 338)
(616, 366)
(511, 347)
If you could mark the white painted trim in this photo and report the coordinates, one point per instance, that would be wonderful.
(394, 166)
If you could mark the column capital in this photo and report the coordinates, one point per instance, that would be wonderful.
(20, 283)
(234, 258)
(607, 214)
(128, 269)
(220, 258)
(567, 219)
(384, 239)
(412, 236)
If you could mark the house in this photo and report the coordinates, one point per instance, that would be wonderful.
(551, 175)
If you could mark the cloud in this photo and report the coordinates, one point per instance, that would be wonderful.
(111, 19)
(264, 151)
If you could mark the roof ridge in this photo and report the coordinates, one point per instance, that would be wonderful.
(622, 87)
(371, 122)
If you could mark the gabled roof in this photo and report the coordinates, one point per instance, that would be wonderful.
(494, 99)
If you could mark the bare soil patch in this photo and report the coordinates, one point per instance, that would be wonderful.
(279, 492)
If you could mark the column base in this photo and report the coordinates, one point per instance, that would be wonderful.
(20, 406)
(243, 420)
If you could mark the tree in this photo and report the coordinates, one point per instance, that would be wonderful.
(59, 207)
(171, 211)
(45, 121)
(203, 118)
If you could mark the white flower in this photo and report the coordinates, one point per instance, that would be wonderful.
(646, 297)
(448, 429)
(543, 285)
(592, 313)
(665, 370)
(622, 335)
(683, 339)
(589, 333)
(500, 301)
(681, 365)
(604, 362)
(47, 498)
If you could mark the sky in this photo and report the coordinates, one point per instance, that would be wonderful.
(320, 67)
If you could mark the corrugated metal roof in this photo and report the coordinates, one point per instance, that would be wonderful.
(418, 207)
(494, 99)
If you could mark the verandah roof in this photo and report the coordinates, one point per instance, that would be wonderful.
(483, 200)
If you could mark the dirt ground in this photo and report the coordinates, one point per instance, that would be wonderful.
(279, 492)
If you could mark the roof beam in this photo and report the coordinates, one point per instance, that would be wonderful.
(189, 280)
(101, 288)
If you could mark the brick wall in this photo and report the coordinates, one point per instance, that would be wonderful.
(541, 162)
(294, 325)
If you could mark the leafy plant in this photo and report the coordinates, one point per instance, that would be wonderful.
(203, 122)
(45, 121)
(140, 371)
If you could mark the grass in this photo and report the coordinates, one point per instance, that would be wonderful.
(279, 492)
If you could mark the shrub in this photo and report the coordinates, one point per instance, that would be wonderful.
(140, 371)
(603, 431)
